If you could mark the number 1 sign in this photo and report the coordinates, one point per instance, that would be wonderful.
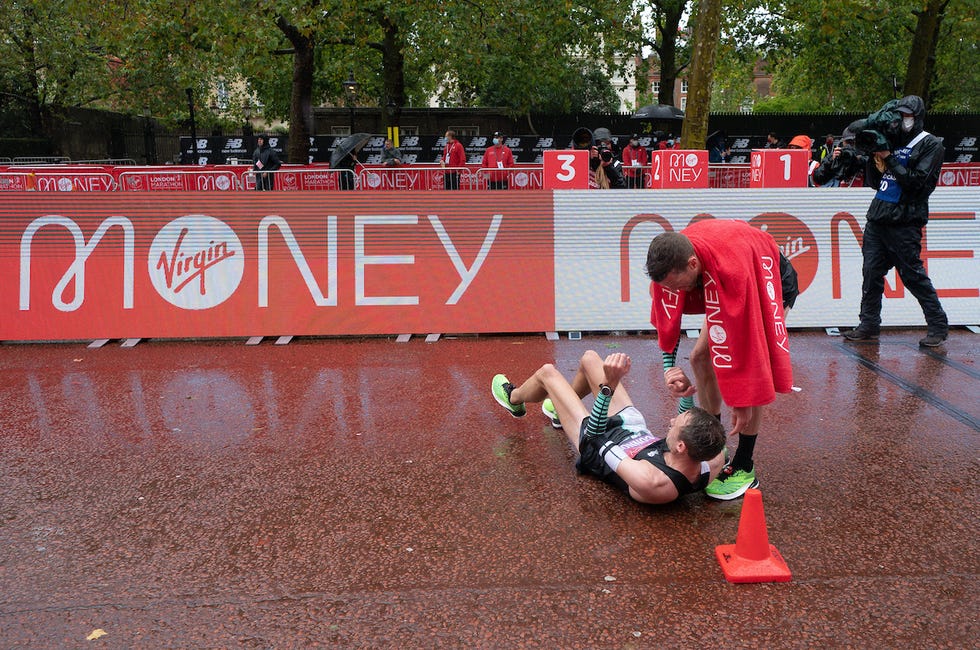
(779, 167)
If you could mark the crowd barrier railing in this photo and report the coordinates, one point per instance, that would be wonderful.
(57, 181)
(304, 179)
(320, 177)
(416, 177)
(729, 175)
(207, 180)
(510, 178)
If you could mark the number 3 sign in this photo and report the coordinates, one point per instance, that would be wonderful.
(566, 169)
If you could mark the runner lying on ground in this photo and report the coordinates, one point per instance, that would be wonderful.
(619, 449)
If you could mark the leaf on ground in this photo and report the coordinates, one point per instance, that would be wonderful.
(96, 634)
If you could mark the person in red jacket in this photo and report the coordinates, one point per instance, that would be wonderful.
(635, 158)
(453, 157)
(498, 156)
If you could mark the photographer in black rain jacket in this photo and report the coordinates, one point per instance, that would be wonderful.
(844, 163)
(904, 165)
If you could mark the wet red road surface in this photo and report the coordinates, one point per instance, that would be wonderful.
(370, 494)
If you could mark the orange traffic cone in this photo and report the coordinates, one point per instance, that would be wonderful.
(752, 558)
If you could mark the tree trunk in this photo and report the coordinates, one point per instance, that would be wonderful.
(706, 36)
(393, 62)
(301, 100)
(922, 55)
(667, 53)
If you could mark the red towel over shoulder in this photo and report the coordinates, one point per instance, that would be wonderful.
(742, 299)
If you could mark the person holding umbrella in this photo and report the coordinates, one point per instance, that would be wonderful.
(344, 158)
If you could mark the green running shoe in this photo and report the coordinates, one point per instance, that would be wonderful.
(548, 407)
(501, 389)
(731, 484)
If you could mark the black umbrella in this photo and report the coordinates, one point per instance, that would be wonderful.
(351, 143)
(658, 112)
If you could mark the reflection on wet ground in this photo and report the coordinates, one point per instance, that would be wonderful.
(368, 493)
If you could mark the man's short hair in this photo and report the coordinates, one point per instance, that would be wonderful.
(668, 252)
(703, 434)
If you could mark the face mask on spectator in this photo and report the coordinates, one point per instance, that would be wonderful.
(908, 121)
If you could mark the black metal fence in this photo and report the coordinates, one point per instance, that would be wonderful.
(84, 134)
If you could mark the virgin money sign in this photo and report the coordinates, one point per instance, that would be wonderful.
(678, 169)
(601, 241)
(58, 181)
(177, 264)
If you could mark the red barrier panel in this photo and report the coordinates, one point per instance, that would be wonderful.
(729, 176)
(303, 179)
(518, 178)
(16, 182)
(163, 179)
(57, 181)
(414, 177)
(178, 264)
(960, 175)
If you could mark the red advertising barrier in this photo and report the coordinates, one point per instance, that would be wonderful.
(566, 170)
(303, 179)
(729, 175)
(49, 179)
(678, 169)
(779, 168)
(518, 178)
(319, 177)
(960, 175)
(414, 177)
(178, 264)
(163, 179)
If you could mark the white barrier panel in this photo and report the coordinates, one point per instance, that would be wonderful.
(601, 240)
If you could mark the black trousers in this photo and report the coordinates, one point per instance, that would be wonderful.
(450, 180)
(497, 185)
(264, 182)
(346, 180)
(883, 248)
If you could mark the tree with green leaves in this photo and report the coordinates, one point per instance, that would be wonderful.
(853, 55)
(661, 30)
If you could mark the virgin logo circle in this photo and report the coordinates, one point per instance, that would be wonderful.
(795, 241)
(196, 262)
(718, 334)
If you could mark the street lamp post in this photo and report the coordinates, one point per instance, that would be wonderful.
(247, 127)
(190, 109)
(350, 96)
(391, 109)
(149, 138)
